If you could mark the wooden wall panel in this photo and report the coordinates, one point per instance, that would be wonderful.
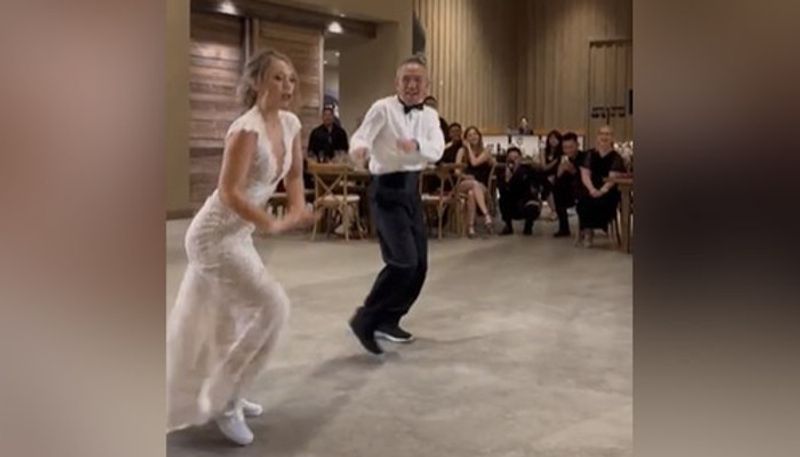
(305, 47)
(217, 56)
(472, 56)
(492, 62)
(609, 82)
(554, 89)
(216, 60)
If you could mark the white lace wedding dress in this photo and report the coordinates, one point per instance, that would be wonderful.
(229, 311)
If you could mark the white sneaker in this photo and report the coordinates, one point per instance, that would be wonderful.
(250, 409)
(233, 426)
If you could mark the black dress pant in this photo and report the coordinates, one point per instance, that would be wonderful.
(513, 207)
(396, 210)
(564, 196)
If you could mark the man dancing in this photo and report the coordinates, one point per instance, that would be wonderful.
(401, 136)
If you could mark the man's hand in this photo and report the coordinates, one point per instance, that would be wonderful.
(407, 146)
(359, 154)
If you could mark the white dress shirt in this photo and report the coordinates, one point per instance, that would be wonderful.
(385, 123)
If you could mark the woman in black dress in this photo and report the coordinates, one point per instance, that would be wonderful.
(475, 177)
(598, 200)
(550, 158)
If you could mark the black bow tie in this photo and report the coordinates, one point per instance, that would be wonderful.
(408, 108)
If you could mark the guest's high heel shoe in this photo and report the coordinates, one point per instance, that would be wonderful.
(489, 224)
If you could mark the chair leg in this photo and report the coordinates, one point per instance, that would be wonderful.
(346, 222)
(359, 228)
(613, 233)
(440, 213)
(314, 230)
(328, 221)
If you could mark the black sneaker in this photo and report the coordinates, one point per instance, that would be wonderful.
(395, 334)
(561, 234)
(366, 338)
(507, 230)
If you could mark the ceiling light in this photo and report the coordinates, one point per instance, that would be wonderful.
(335, 27)
(228, 7)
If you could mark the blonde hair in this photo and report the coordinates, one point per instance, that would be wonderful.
(253, 75)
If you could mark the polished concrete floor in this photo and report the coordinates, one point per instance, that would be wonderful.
(524, 349)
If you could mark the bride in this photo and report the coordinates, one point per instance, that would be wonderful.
(230, 309)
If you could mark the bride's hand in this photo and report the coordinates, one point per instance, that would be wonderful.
(303, 218)
(298, 219)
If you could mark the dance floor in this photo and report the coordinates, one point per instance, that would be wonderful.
(524, 349)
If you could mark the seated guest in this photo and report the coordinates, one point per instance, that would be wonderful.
(597, 206)
(431, 183)
(328, 139)
(431, 101)
(454, 143)
(519, 193)
(523, 128)
(567, 181)
(475, 177)
(549, 159)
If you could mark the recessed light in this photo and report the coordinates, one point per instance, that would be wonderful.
(228, 7)
(335, 27)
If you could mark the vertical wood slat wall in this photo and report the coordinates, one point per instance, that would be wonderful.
(218, 44)
(472, 58)
(216, 60)
(555, 90)
(610, 79)
(502, 60)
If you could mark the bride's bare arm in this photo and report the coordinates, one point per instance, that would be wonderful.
(297, 216)
(236, 159)
(294, 179)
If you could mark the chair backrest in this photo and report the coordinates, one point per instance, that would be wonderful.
(329, 178)
(445, 174)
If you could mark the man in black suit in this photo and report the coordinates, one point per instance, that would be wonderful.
(519, 193)
(568, 181)
(328, 139)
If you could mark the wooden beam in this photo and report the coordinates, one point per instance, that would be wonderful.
(284, 14)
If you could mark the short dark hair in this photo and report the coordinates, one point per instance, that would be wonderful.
(454, 124)
(570, 136)
(513, 149)
(328, 108)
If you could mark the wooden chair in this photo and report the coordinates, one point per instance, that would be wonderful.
(331, 195)
(460, 206)
(614, 234)
(277, 204)
(491, 189)
(439, 200)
